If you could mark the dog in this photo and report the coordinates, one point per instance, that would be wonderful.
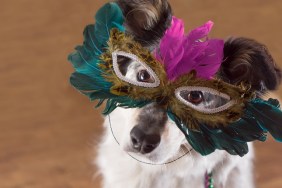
(143, 148)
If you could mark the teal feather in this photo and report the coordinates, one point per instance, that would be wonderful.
(89, 38)
(84, 62)
(196, 139)
(96, 36)
(246, 129)
(108, 17)
(86, 58)
(124, 102)
(260, 117)
(268, 115)
(83, 82)
(88, 77)
(200, 142)
(223, 141)
(206, 139)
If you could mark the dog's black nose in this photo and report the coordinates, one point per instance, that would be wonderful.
(144, 143)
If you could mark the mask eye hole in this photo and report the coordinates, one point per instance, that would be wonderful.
(204, 99)
(129, 68)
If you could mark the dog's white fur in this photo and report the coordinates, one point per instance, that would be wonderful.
(119, 170)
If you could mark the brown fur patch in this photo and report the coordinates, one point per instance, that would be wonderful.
(146, 20)
(248, 61)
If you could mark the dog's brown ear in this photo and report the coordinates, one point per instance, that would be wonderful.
(146, 20)
(246, 60)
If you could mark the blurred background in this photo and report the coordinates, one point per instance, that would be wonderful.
(48, 131)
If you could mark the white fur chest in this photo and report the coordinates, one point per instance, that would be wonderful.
(119, 170)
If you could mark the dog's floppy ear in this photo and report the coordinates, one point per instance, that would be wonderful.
(146, 20)
(248, 61)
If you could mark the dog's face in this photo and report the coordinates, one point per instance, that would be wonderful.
(147, 133)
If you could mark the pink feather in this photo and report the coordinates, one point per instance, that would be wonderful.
(181, 54)
(171, 48)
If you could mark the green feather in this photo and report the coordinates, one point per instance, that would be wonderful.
(207, 139)
(268, 115)
(83, 82)
(223, 141)
(88, 78)
(246, 129)
(87, 57)
(124, 102)
(196, 139)
(108, 17)
(259, 117)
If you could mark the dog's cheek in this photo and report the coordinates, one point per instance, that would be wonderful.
(121, 122)
(172, 136)
(171, 141)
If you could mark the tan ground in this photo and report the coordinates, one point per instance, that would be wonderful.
(48, 130)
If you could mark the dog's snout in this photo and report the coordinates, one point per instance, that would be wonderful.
(142, 142)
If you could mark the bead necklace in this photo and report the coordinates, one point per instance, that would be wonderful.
(209, 180)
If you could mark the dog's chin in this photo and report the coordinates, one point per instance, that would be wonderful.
(158, 156)
(146, 158)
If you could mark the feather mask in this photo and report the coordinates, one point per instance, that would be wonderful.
(111, 67)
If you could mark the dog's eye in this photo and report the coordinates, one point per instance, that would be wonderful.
(204, 99)
(144, 76)
(195, 97)
(129, 68)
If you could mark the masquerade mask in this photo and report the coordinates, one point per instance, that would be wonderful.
(180, 76)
